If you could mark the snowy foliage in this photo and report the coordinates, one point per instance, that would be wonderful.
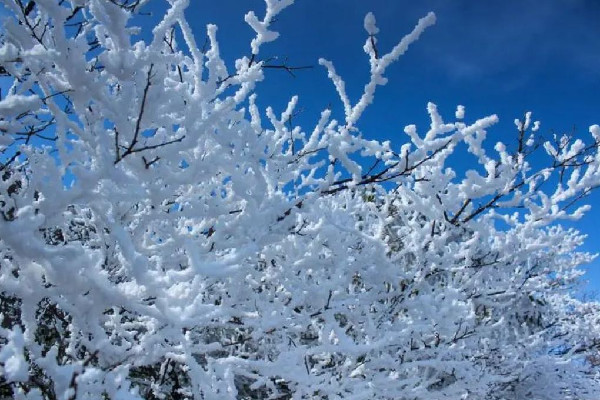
(161, 237)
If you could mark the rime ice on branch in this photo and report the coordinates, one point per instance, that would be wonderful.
(163, 237)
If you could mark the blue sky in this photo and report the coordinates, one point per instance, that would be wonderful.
(494, 56)
(503, 57)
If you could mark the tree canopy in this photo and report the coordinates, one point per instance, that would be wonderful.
(163, 237)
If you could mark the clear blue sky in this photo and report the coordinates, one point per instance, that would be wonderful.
(494, 56)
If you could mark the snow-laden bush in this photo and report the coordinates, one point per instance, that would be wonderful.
(164, 238)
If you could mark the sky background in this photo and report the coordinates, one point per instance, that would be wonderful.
(501, 57)
(493, 57)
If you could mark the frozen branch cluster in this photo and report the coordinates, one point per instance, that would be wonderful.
(161, 237)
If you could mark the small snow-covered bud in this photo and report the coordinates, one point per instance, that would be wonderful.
(527, 119)
(460, 112)
(550, 149)
(518, 123)
(370, 26)
(595, 131)
(530, 140)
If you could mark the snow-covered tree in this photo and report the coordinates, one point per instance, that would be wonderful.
(164, 238)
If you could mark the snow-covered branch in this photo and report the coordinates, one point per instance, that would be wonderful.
(163, 237)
